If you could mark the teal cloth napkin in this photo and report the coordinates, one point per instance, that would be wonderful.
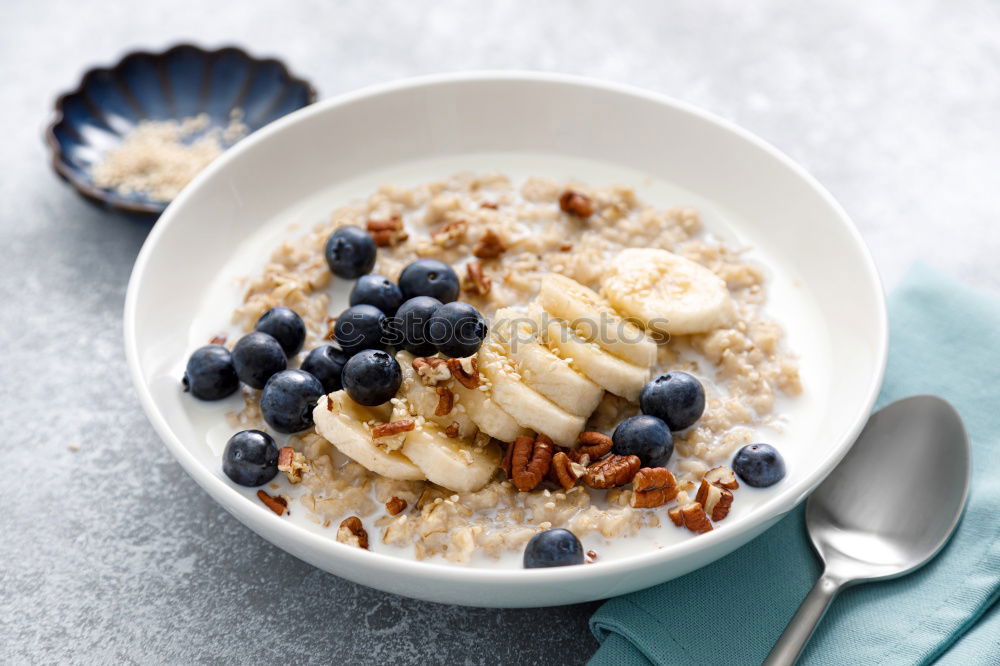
(945, 340)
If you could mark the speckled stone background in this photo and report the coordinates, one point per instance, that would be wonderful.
(112, 553)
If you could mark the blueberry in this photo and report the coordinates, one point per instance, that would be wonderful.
(285, 326)
(676, 397)
(350, 252)
(288, 399)
(256, 357)
(250, 458)
(408, 329)
(645, 436)
(372, 377)
(429, 277)
(759, 465)
(379, 291)
(326, 363)
(456, 329)
(553, 548)
(361, 327)
(210, 374)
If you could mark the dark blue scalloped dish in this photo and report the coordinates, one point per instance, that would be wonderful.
(179, 83)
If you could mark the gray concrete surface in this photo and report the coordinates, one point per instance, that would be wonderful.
(113, 554)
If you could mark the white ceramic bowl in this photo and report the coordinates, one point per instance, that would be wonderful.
(298, 168)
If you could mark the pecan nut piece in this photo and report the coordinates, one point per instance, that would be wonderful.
(594, 445)
(387, 233)
(277, 503)
(466, 376)
(353, 533)
(565, 471)
(652, 487)
(395, 505)
(476, 281)
(612, 471)
(722, 476)
(530, 458)
(450, 234)
(574, 203)
(453, 430)
(693, 517)
(489, 246)
(431, 369)
(446, 400)
(716, 500)
(508, 457)
(292, 463)
(392, 428)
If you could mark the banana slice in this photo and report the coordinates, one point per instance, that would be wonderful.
(345, 424)
(486, 413)
(453, 463)
(615, 375)
(667, 293)
(528, 407)
(423, 400)
(540, 368)
(594, 321)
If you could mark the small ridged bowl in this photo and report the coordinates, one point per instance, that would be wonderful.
(182, 82)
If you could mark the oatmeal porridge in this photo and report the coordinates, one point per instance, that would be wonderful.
(622, 369)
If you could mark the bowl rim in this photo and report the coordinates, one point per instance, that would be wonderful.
(282, 533)
(100, 196)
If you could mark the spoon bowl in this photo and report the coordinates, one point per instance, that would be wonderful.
(887, 509)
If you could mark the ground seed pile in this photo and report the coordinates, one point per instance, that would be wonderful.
(159, 157)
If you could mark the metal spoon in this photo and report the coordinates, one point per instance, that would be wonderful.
(887, 509)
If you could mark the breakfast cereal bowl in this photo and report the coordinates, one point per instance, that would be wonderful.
(563, 193)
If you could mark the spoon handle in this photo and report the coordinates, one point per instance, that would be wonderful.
(788, 648)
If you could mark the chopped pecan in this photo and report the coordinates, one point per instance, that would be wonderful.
(387, 233)
(395, 505)
(431, 369)
(577, 204)
(652, 487)
(530, 459)
(353, 533)
(475, 280)
(489, 246)
(564, 471)
(612, 471)
(450, 234)
(466, 376)
(277, 504)
(693, 517)
(676, 517)
(329, 404)
(508, 456)
(489, 204)
(594, 444)
(715, 499)
(217, 340)
(392, 428)
(446, 400)
(591, 555)
(292, 463)
(722, 476)
(452, 430)
(565, 247)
